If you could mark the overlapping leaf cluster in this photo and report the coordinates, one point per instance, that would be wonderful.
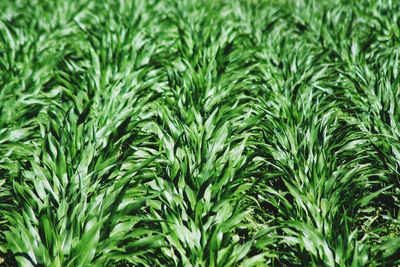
(199, 133)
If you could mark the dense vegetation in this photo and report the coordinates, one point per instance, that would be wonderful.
(199, 133)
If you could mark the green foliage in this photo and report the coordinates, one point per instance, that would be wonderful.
(199, 133)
